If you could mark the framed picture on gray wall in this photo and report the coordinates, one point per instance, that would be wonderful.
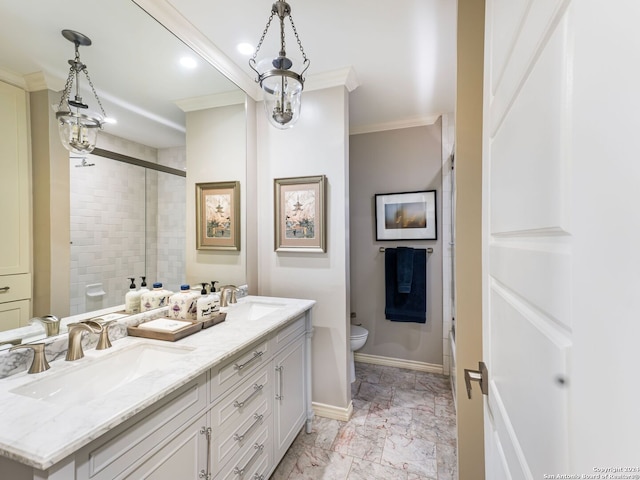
(406, 216)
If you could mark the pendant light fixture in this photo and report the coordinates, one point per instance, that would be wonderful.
(282, 86)
(77, 126)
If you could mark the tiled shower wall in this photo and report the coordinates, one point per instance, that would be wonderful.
(116, 234)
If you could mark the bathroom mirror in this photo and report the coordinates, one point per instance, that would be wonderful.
(135, 65)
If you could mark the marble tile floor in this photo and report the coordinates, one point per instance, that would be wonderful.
(403, 428)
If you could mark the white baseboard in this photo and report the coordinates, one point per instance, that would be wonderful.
(396, 362)
(330, 411)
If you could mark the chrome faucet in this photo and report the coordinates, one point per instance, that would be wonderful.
(228, 295)
(51, 324)
(74, 350)
(39, 363)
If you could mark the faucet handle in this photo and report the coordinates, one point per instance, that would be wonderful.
(39, 363)
(103, 340)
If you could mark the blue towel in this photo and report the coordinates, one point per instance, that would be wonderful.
(405, 268)
(406, 307)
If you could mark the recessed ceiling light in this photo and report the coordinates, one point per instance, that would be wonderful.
(188, 62)
(245, 48)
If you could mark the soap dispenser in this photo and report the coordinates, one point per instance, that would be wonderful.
(204, 305)
(215, 298)
(132, 299)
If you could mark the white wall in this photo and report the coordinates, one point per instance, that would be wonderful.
(216, 152)
(316, 145)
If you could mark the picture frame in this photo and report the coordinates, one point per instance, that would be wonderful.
(406, 216)
(300, 221)
(218, 216)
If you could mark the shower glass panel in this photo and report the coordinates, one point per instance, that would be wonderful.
(126, 221)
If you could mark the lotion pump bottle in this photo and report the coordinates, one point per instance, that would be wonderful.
(204, 305)
(215, 298)
(132, 299)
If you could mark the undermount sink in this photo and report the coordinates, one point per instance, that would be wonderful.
(94, 378)
(252, 310)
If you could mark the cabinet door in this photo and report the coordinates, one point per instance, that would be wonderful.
(290, 400)
(15, 243)
(184, 457)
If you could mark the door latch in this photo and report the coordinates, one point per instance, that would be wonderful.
(481, 376)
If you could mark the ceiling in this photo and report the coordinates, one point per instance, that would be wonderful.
(401, 60)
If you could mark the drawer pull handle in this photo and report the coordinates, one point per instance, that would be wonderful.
(240, 471)
(256, 355)
(4, 289)
(256, 390)
(239, 438)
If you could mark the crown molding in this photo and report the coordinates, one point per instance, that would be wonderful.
(211, 101)
(173, 21)
(13, 79)
(419, 121)
(343, 77)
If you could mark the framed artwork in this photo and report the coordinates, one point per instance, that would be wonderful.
(218, 216)
(406, 216)
(300, 223)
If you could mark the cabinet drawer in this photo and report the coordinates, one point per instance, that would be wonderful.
(14, 314)
(15, 287)
(226, 376)
(237, 406)
(229, 441)
(120, 450)
(253, 460)
(288, 333)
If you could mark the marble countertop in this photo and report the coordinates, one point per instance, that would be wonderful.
(40, 433)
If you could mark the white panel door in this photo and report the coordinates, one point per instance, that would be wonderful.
(561, 235)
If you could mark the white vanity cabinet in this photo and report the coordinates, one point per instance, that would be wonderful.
(234, 421)
(15, 241)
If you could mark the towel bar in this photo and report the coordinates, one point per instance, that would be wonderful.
(429, 250)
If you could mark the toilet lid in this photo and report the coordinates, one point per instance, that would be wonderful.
(357, 331)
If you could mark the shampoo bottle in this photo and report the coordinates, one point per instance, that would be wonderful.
(204, 305)
(132, 299)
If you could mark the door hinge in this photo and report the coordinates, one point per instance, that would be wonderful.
(481, 376)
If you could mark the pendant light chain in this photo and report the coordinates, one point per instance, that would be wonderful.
(264, 34)
(295, 32)
(84, 70)
(67, 88)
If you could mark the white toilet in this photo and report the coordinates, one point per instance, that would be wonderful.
(358, 339)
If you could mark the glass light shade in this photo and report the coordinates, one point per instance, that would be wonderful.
(78, 132)
(282, 89)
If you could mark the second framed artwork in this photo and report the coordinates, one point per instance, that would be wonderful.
(218, 216)
(300, 222)
(406, 216)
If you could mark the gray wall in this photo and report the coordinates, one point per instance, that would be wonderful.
(402, 160)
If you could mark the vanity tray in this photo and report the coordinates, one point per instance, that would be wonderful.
(215, 319)
(165, 329)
